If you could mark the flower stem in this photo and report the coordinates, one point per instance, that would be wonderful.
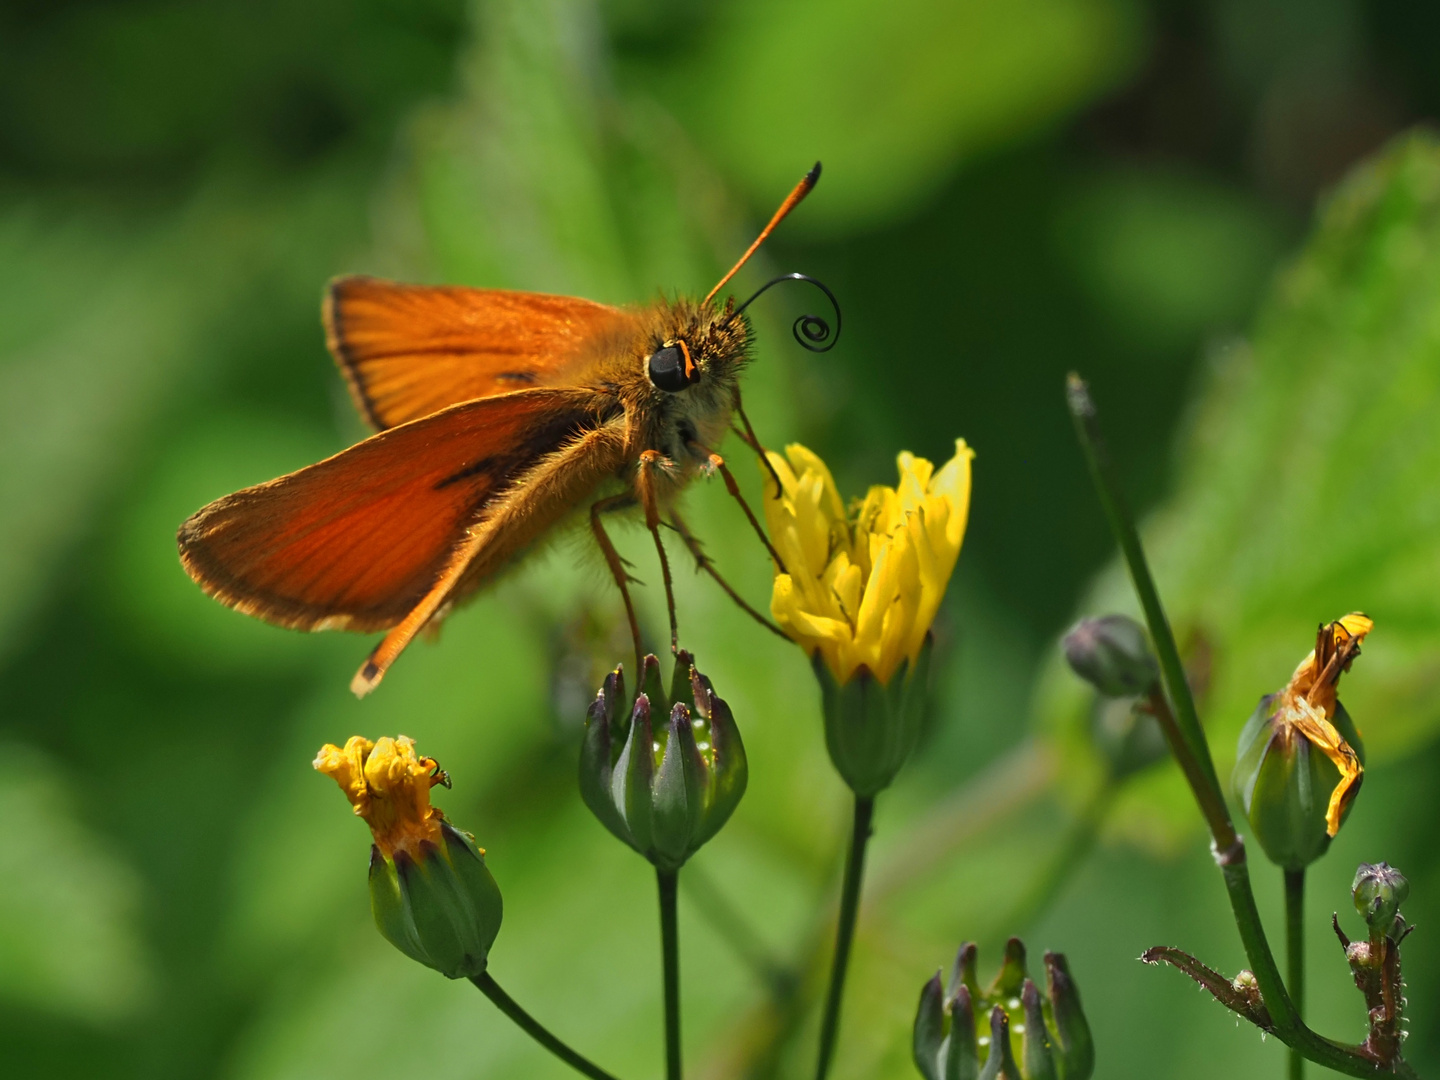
(1187, 742)
(537, 1031)
(1295, 955)
(845, 931)
(670, 962)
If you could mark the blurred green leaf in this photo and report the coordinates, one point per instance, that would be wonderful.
(891, 97)
(1168, 257)
(1307, 484)
(69, 934)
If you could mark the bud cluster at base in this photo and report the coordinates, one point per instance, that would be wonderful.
(438, 905)
(871, 727)
(666, 788)
(1054, 1037)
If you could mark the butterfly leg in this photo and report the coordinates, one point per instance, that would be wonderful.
(717, 463)
(617, 570)
(750, 439)
(704, 562)
(650, 460)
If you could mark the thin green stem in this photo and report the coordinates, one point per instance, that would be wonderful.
(1187, 742)
(670, 962)
(537, 1031)
(1198, 765)
(1295, 956)
(845, 930)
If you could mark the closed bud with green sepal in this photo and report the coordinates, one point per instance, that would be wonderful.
(1112, 653)
(1011, 1029)
(1378, 891)
(439, 906)
(666, 771)
(1300, 761)
(871, 726)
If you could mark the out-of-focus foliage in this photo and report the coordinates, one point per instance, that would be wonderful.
(1307, 487)
(1010, 192)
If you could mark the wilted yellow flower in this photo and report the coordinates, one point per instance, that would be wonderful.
(1307, 705)
(389, 786)
(862, 589)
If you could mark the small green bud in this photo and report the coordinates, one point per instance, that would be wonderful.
(1072, 1030)
(1378, 891)
(1012, 974)
(1054, 1040)
(1035, 1046)
(439, 906)
(1112, 653)
(662, 778)
(1000, 1065)
(929, 1035)
(870, 726)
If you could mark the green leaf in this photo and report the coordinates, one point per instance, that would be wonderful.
(891, 97)
(1306, 485)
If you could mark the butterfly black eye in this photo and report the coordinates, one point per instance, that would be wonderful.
(668, 368)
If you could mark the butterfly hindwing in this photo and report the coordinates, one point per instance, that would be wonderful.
(358, 540)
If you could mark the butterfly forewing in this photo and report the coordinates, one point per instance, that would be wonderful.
(411, 350)
(358, 540)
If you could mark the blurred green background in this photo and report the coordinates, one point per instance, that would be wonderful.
(1151, 193)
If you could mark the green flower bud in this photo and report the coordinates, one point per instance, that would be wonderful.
(1300, 761)
(430, 892)
(870, 726)
(1287, 785)
(1035, 1052)
(662, 777)
(1379, 890)
(439, 906)
(1112, 653)
(1054, 1040)
(1072, 1031)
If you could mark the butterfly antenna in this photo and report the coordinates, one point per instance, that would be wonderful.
(792, 200)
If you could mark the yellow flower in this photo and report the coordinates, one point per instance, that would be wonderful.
(1307, 706)
(389, 786)
(862, 589)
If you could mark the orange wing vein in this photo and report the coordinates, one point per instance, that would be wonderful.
(411, 350)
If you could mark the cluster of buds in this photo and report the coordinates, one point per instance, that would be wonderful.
(430, 891)
(1009, 1030)
(1378, 892)
(664, 788)
(1300, 760)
